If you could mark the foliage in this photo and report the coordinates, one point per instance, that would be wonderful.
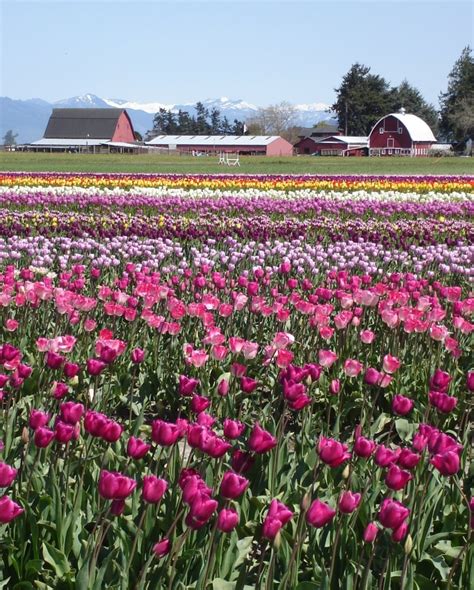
(237, 411)
(457, 103)
(276, 119)
(9, 138)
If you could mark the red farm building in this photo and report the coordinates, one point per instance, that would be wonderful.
(87, 130)
(252, 145)
(401, 134)
(335, 145)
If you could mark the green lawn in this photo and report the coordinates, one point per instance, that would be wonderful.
(43, 162)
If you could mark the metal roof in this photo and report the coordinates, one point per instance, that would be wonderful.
(83, 123)
(64, 142)
(418, 129)
(351, 140)
(213, 140)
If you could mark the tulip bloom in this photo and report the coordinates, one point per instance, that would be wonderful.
(162, 548)
(364, 447)
(408, 459)
(385, 456)
(43, 436)
(332, 452)
(390, 364)
(9, 510)
(319, 514)
(440, 381)
(137, 448)
(233, 429)
(38, 418)
(7, 475)
(278, 515)
(164, 433)
(115, 486)
(327, 358)
(396, 478)
(227, 520)
(352, 367)
(447, 463)
(233, 485)
(402, 405)
(154, 488)
(392, 513)
(400, 532)
(260, 440)
(348, 502)
(71, 412)
(442, 401)
(370, 532)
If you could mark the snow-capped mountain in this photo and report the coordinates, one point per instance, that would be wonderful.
(28, 118)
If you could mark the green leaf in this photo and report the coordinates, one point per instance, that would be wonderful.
(56, 559)
(220, 584)
(243, 548)
(307, 586)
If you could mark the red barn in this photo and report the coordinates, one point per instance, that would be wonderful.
(86, 129)
(400, 134)
(335, 145)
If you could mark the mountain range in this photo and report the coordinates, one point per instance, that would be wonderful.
(28, 118)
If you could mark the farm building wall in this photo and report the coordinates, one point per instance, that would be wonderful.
(306, 146)
(124, 129)
(279, 147)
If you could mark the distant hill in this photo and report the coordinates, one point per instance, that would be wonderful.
(29, 117)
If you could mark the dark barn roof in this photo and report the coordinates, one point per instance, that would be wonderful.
(83, 123)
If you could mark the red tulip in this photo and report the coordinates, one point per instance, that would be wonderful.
(319, 514)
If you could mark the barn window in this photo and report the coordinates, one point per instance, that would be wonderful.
(400, 129)
(381, 129)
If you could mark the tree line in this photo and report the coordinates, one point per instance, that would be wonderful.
(204, 122)
(363, 98)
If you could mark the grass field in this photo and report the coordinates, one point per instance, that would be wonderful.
(43, 162)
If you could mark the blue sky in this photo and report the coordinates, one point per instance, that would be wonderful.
(261, 51)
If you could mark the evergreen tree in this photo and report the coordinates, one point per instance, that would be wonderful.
(410, 98)
(10, 138)
(171, 127)
(202, 114)
(216, 123)
(237, 128)
(226, 128)
(159, 123)
(185, 123)
(362, 99)
(457, 103)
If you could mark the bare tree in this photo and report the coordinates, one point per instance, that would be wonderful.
(276, 119)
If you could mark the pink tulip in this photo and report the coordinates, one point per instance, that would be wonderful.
(247, 384)
(154, 489)
(396, 478)
(327, 358)
(440, 381)
(370, 532)
(352, 367)
(385, 456)
(391, 364)
(348, 502)
(470, 381)
(137, 356)
(227, 520)
(70, 370)
(64, 432)
(233, 485)
(278, 515)
(319, 514)
(162, 548)
(392, 513)
(71, 412)
(199, 403)
(402, 405)
(233, 429)
(187, 385)
(223, 387)
(115, 486)
(364, 447)
(447, 463)
(43, 436)
(9, 510)
(334, 387)
(332, 452)
(95, 366)
(164, 433)
(400, 532)
(367, 336)
(372, 376)
(260, 440)
(407, 459)
(137, 448)
(442, 401)
(38, 418)
(242, 461)
(7, 475)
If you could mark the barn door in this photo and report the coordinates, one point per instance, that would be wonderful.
(390, 142)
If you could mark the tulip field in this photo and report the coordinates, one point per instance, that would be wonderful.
(236, 382)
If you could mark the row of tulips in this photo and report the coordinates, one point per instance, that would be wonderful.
(420, 184)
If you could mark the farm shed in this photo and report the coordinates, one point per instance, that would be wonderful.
(335, 145)
(401, 134)
(263, 145)
(86, 130)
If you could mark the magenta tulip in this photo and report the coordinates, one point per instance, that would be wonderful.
(319, 514)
